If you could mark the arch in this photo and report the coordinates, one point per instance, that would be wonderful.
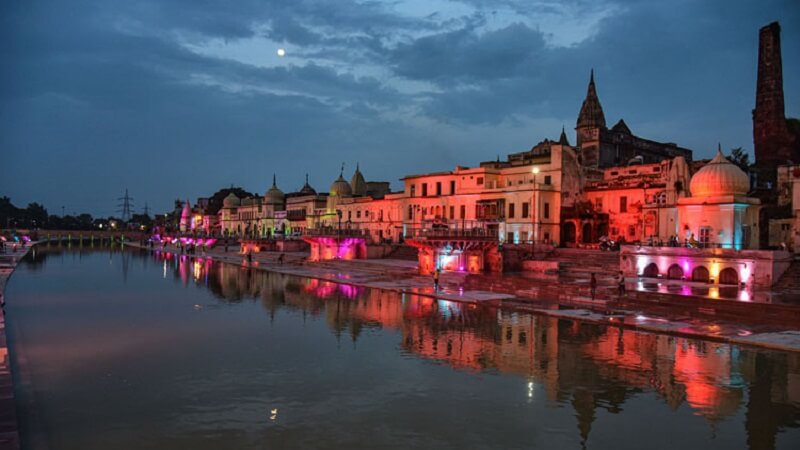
(586, 233)
(700, 273)
(729, 276)
(651, 271)
(568, 232)
(674, 272)
(601, 229)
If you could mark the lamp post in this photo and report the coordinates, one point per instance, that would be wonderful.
(535, 210)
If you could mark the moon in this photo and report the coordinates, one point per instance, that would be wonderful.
(281, 52)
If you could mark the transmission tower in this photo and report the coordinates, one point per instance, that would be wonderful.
(146, 210)
(125, 207)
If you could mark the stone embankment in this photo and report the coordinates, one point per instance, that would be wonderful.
(9, 432)
(566, 295)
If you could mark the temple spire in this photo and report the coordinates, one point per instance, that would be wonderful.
(273, 181)
(563, 139)
(591, 115)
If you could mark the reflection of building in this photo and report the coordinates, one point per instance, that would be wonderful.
(586, 366)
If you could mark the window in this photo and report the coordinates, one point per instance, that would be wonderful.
(438, 188)
(548, 179)
(463, 211)
(705, 235)
(546, 210)
(623, 204)
(410, 212)
(598, 204)
(452, 187)
(613, 174)
(413, 190)
(349, 215)
(631, 230)
(525, 208)
(358, 214)
(656, 169)
(480, 181)
(452, 212)
(510, 210)
(424, 189)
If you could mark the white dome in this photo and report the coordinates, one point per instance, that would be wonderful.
(719, 177)
(274, 196)
(341, 187)
(231, 201)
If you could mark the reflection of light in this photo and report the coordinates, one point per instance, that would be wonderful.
(530, 389)
(641, 317)
(744, 295)
(713, 292)
(165, 269)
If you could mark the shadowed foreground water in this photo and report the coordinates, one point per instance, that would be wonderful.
(130, 350)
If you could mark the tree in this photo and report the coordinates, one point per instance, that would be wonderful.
(215, 202)
(741, 158)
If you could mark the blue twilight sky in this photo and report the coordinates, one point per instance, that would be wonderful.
(180, 98)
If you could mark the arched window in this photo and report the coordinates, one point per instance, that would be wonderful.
(700, 274)
(728, 276)
(651, 271)
(675, 272)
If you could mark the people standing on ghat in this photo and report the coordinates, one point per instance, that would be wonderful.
(436, 279)
(593, 285)
(621, 284)
(280, 259)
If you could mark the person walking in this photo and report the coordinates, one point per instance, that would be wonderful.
(593, 285)
(621, 284)
(436, 279)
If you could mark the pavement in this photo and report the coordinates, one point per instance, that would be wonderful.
(9, 427)
(567, 298)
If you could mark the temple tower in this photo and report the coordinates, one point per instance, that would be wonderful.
(591, 117)
(771, 137)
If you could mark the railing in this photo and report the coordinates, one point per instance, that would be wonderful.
(452, 233)
(331, 231)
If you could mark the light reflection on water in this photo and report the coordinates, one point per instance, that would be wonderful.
(130, 350)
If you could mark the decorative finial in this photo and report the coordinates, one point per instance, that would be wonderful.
(591, 76)
(273, 181)
(719, 146)
(306, 178)
(357, 167)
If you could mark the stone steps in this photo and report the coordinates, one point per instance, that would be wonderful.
(790, 280)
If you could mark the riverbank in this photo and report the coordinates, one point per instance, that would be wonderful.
(9, 427)
(518, 292)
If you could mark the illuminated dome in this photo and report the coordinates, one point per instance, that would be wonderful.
(358, 184)
(719, 177)
(341, 187)
(231, 201)
(274, 196)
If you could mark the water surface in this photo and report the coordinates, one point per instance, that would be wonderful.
(129, 350)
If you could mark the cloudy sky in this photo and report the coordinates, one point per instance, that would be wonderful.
(180, 98)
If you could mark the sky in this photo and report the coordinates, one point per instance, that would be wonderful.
(177, 99)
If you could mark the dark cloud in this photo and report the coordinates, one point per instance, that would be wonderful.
(99, 96)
